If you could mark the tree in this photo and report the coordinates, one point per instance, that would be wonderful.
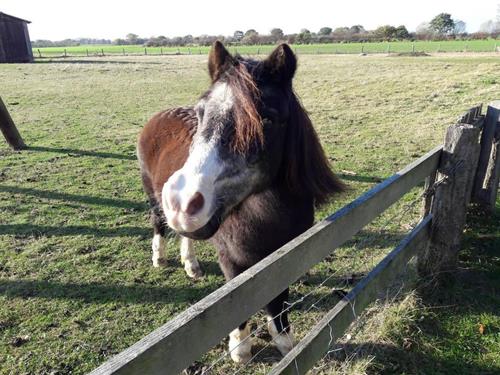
(357, 29)
(442, 24)
(277, 34)
(304, 37)
(251, 32)
(238, 35)
(251, 37)
(460, 27)
(132, 38)
(487, 27)
(386, 32)
(325, 31)
(401, 32)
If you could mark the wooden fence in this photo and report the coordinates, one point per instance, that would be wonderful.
(451, 172)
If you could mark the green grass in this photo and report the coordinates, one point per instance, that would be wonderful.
(456, 331)
(76, 282)
(486, 45)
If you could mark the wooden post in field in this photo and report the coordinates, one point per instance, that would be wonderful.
(145, 51)
(102, 51)
(65, 52)
(488, 169)
(452, 192)
(39, 53)
(123, 51)
(9, 129)
(87, 52)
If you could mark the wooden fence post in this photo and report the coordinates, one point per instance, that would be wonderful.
(452, 191)
(9, 129)
(488, 169)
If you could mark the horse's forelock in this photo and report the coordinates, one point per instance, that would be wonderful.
(247, 121)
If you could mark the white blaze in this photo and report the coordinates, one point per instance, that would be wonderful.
(200, 171)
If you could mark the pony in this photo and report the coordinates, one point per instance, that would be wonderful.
(243, 169)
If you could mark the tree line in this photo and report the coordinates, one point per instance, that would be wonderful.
(441, 27)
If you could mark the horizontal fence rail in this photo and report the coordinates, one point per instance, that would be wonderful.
(174, 346)
(333, 325)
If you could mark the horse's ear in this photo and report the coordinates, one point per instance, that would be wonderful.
(219, 60)
(282, 63)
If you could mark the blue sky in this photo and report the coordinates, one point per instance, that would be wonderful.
(56, 19)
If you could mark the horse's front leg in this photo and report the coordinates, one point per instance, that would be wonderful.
(278, 324)
(240, 339)
(157, 244)
(188, 258)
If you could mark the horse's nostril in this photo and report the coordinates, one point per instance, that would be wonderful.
(195, 204)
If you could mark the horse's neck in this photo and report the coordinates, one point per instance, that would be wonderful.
(264, 222)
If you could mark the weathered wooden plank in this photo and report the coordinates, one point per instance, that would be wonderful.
(175, 345)
(9, 129)
(487, 175)
(449, 206)
(333, 325)
(471, 115)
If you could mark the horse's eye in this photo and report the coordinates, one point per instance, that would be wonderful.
(224, 141)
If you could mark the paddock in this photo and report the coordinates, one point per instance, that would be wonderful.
(77, 261)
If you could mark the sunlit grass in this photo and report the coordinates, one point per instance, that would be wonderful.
(76, 282)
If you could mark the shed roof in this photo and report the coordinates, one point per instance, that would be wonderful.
(6, 16)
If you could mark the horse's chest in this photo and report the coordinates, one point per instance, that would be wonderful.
(251, 233)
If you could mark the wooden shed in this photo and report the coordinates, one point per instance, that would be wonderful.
(15, 44)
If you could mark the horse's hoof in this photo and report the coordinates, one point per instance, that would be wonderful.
(240, 345)
(159, 262)
(284, 343)
(193, 272)
(241, 357)
(284, 340)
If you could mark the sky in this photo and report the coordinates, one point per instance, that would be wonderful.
(110, 19)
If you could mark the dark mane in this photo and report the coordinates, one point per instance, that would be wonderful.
(305, 167)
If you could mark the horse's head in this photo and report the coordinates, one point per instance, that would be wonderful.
(252, 132)
(238, 144)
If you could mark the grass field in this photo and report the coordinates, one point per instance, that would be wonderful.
(76, 282)
(488, 45)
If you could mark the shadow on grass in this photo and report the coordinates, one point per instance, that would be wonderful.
(356, 178)
(28, 230)
(445, 338)
(103, 293)
(72, 151)
(70, 60)
(47, 194)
